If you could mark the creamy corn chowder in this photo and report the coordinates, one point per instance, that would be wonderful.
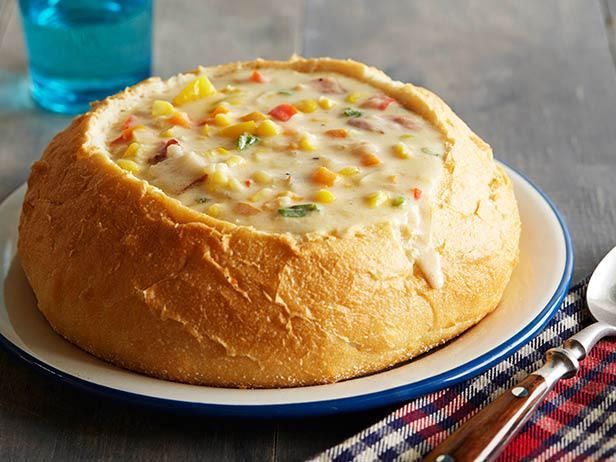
(289, 152)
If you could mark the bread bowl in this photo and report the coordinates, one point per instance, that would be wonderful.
(136, 246)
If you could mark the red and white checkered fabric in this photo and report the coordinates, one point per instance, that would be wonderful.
(577, 421)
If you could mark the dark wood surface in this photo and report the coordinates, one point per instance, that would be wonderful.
(533, 78)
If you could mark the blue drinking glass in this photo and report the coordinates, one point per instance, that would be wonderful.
(84, 50)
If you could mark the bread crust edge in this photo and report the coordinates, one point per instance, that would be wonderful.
(135, 278)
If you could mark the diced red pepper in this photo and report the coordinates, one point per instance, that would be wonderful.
(416, 193)
(126, 135)
(127, 130)
(120, 139)
(378, 102)
(129, 122)
(257, 77)
(248, 182)
(283, 112)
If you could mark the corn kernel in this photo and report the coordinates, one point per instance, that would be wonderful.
(132, 150)
(260, 195)
(353, 97)
(308, 142)
(233, 131)
(235, 160)
(197, 89)
(407, 137)
(220, 108)
(217, 175)
(324, 176)
(349, 171)
(235, 101)
(222, 120)
(162, 108)
(326, 103)
(169, 133)
(324, 196)
(222, 151)
(219, 178)
(268, 128)
(306, 105)
(283, 201)
(205, 130)
(284, 194)
(214, 210)
(256, 116)
(401, 150)
(262, 177)
(376, 199)
(234, 185)
(128, 165)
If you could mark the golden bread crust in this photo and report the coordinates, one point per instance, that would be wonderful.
(136, 278)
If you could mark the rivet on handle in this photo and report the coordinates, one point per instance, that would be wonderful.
(519, 392)
(445, 458)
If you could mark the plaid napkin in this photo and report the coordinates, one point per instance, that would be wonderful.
(577, 420)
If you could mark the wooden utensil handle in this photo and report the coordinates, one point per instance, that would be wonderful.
(494, 425)
(485, 435)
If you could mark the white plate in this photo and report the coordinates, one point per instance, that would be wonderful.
(534, 294)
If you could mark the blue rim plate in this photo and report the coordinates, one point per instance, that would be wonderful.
(527, 306)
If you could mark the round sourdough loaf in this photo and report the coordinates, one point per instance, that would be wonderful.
(140, 280)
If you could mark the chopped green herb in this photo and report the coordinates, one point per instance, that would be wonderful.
(285, 92)
(202, 200)
(246, 140)
(428, 151)
(296, 211)
(350, 112)
(398, 201)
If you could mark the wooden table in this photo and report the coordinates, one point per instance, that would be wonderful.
(534, 78)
